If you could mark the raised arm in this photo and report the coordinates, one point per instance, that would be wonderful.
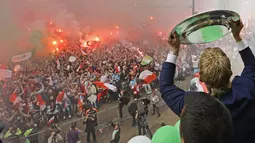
(248, 60)
(172, 95)
(245, 52)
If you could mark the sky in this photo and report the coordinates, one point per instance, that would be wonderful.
(73, 16)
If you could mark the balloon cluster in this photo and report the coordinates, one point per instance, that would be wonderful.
(165, 134)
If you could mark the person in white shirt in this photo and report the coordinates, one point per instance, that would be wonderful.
(155, 101)
(104, 78)
(195, 62)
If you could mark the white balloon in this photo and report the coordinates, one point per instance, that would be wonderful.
(139, 139)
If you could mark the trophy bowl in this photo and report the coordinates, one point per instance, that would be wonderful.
(205, 27)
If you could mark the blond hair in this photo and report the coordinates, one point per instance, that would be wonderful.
(215, 71)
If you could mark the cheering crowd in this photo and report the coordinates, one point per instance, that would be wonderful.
(54, 88)
(70, 83)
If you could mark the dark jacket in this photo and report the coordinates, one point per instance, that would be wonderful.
(239, 100)
(124, 100)
(117, 136)
(132, 108)
(90, 125)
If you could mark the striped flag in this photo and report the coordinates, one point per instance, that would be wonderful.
(14, 98)
(51, 121)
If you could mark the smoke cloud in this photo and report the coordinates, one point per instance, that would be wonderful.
(20, 17)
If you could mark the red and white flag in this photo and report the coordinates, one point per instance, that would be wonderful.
(61, 96)
(40, 102)
(105, 85)
(14, 98)
(51, 121)
(147, 76)
(117, 69)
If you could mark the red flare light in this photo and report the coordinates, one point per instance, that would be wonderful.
(97, 39)
(54, 42)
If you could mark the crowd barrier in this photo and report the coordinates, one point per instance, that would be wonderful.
(105, 118)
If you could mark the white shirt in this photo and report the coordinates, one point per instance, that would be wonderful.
(154, 99)
(194, 61)
(103, 78)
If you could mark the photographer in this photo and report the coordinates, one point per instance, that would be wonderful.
(141, 114)
(90, 127)
(123, 100)
(155, 101)
(55, 135)
(132, 110)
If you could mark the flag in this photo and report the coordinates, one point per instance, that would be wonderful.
(147, 76)
(3, 67)
(117, 69)
(105, 85)
(80, 104)
(146, 60)
(14, 98)
(40, 102)
(51, 121)
(5, 74)
(61, 96)
(22, 57)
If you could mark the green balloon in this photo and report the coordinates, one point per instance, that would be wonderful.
(177, 125)
(166, 134)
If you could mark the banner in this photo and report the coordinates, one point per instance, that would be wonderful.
(5, 74)
(22, 57)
